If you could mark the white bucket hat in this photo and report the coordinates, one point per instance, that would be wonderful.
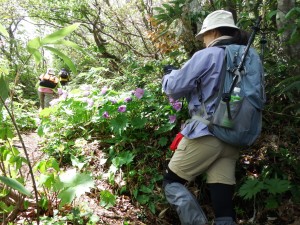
(219, 18)
(50, 71)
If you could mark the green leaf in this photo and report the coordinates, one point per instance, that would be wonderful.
(107, 199)
(60, 34)
(272, 203)
(6, 209)
(76, 162)
(119, 124)
(138, 122)
(33, 48)
(70, 44)
(151, 206)
(15, 185)
(163, 141)
(3, 31)
(6, 132)
(277, 186)
(3, 88)
(74, 185)
(143, 199)
(250, 188)
(65, 58)
(145, 189)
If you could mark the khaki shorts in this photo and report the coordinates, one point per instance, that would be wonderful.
(205, 155)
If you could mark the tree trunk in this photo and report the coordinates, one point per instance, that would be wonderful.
(283, 7)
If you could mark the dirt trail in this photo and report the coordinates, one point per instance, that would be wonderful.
(124, 212)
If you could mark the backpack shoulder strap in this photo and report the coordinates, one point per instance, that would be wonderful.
(218, 95)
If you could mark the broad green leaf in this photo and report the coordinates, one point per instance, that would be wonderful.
(74, 184)
(34, 44)
(119, 124)
(70, 44)
(138, 122)
(3, 31)
(65, 58)
(67, 196)
(107, 199)
(60, 34)
(15, 185)
(250, 188)
(277, 186)
(6, 132)
(76, 162)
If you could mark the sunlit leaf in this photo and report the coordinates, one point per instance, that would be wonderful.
(74, 185)
(65, 58)
(60, 34)
(119, 124)
(15, 185)
(5, 208)
(70, 44)
(3, 31)
(107, 199)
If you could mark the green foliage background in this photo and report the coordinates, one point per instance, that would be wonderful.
(120, 52)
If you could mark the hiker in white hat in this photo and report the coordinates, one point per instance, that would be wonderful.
(199, 151)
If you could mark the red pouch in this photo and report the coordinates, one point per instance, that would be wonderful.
(176, 141)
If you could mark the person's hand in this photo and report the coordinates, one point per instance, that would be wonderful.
(168, 69)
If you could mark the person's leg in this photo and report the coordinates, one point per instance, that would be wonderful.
(42, 98)
(191, 159)
(221, 180)
(48, 98)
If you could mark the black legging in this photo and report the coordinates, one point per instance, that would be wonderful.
(222, 199)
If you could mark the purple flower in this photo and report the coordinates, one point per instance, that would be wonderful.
(105, 115)
(177, 105)
(64, 95)
(139, 92)
(171, 100)
(128, 99)
(86, 93)
(113, 101)
(104, 90)
(172, 118)
(85, 87)
(59, 91)
(122, 108)
(54, 102)
(7, 102)
(90, 102)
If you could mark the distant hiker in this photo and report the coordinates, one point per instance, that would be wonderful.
(64, 77)
(199, 151)
(47, 86)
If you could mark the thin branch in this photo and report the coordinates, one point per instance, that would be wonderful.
(27, 157)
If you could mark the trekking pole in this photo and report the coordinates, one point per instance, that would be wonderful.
(263, 43)
(237, 71)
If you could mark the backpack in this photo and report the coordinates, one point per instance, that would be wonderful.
(237, 120)
(64, 74)
(48, 80)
